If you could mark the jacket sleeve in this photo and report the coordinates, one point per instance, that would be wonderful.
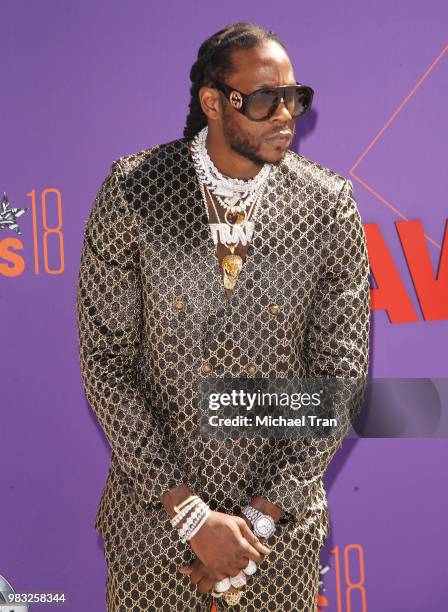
(109, 323)
(336, 347)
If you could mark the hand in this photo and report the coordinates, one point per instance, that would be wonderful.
(225, 543)
(202, 577)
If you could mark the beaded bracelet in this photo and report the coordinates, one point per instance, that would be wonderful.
(176, 519)
(192, 520)
(199, 525)
(192, 529)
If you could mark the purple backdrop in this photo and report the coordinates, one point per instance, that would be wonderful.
(85, 82)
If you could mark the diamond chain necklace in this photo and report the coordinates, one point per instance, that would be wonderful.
(235, 196)
(230, 192)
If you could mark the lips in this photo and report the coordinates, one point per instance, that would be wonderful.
(280, 138)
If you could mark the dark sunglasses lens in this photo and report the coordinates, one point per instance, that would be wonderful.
(298, 101)
(260, 104)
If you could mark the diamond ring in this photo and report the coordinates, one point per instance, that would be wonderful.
(239, 580)
(233, 597)
(250, 568)
(222, 585)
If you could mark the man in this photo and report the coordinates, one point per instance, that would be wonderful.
(220, 254)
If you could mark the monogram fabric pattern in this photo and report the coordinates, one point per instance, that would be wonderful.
(154, 318)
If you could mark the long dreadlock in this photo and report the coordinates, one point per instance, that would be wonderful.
(214, 61)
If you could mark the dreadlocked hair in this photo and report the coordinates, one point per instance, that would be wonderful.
(214, 62)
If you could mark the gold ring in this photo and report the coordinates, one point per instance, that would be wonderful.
(233, 597)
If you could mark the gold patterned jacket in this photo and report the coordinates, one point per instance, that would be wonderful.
(153, 317)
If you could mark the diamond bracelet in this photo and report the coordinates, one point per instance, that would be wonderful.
(180, 515)
(193, 521)
(199, 525)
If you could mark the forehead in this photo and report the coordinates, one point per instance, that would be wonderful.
(266, 64)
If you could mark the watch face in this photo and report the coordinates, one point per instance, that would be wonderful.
(264, 526)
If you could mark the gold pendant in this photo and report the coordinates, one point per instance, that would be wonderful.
(231, 264)
(233, 597)
(234, 217)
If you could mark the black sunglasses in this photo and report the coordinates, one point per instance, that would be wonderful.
(262, 103)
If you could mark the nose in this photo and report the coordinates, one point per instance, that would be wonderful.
(282, 112)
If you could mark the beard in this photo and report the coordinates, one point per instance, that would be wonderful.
(243, 144)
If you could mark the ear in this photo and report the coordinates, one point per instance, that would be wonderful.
(210, 101)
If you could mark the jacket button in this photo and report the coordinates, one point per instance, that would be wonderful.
(178, 304)
(273, 309)
(251, 369)
(206, 368)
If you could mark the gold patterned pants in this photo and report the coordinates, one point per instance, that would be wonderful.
(287, 579)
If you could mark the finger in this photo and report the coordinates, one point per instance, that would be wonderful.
(207, 572)
(205, 585)
(239, 562)
(197, 575)
(241, 576)
(242, 563)
(233, 570)
(247, 550)
(187, 569)
(252, 539)
(213, 574)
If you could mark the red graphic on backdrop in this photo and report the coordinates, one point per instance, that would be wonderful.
(390, 295)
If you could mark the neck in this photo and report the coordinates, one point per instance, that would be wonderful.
(227, 161)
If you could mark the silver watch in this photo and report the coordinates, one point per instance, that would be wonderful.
(263, 524)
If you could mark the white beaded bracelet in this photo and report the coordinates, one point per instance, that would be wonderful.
(199, 525)
(192, 530)
(192, 520)
(176, 519)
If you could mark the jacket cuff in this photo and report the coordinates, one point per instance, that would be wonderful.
(288, 493)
